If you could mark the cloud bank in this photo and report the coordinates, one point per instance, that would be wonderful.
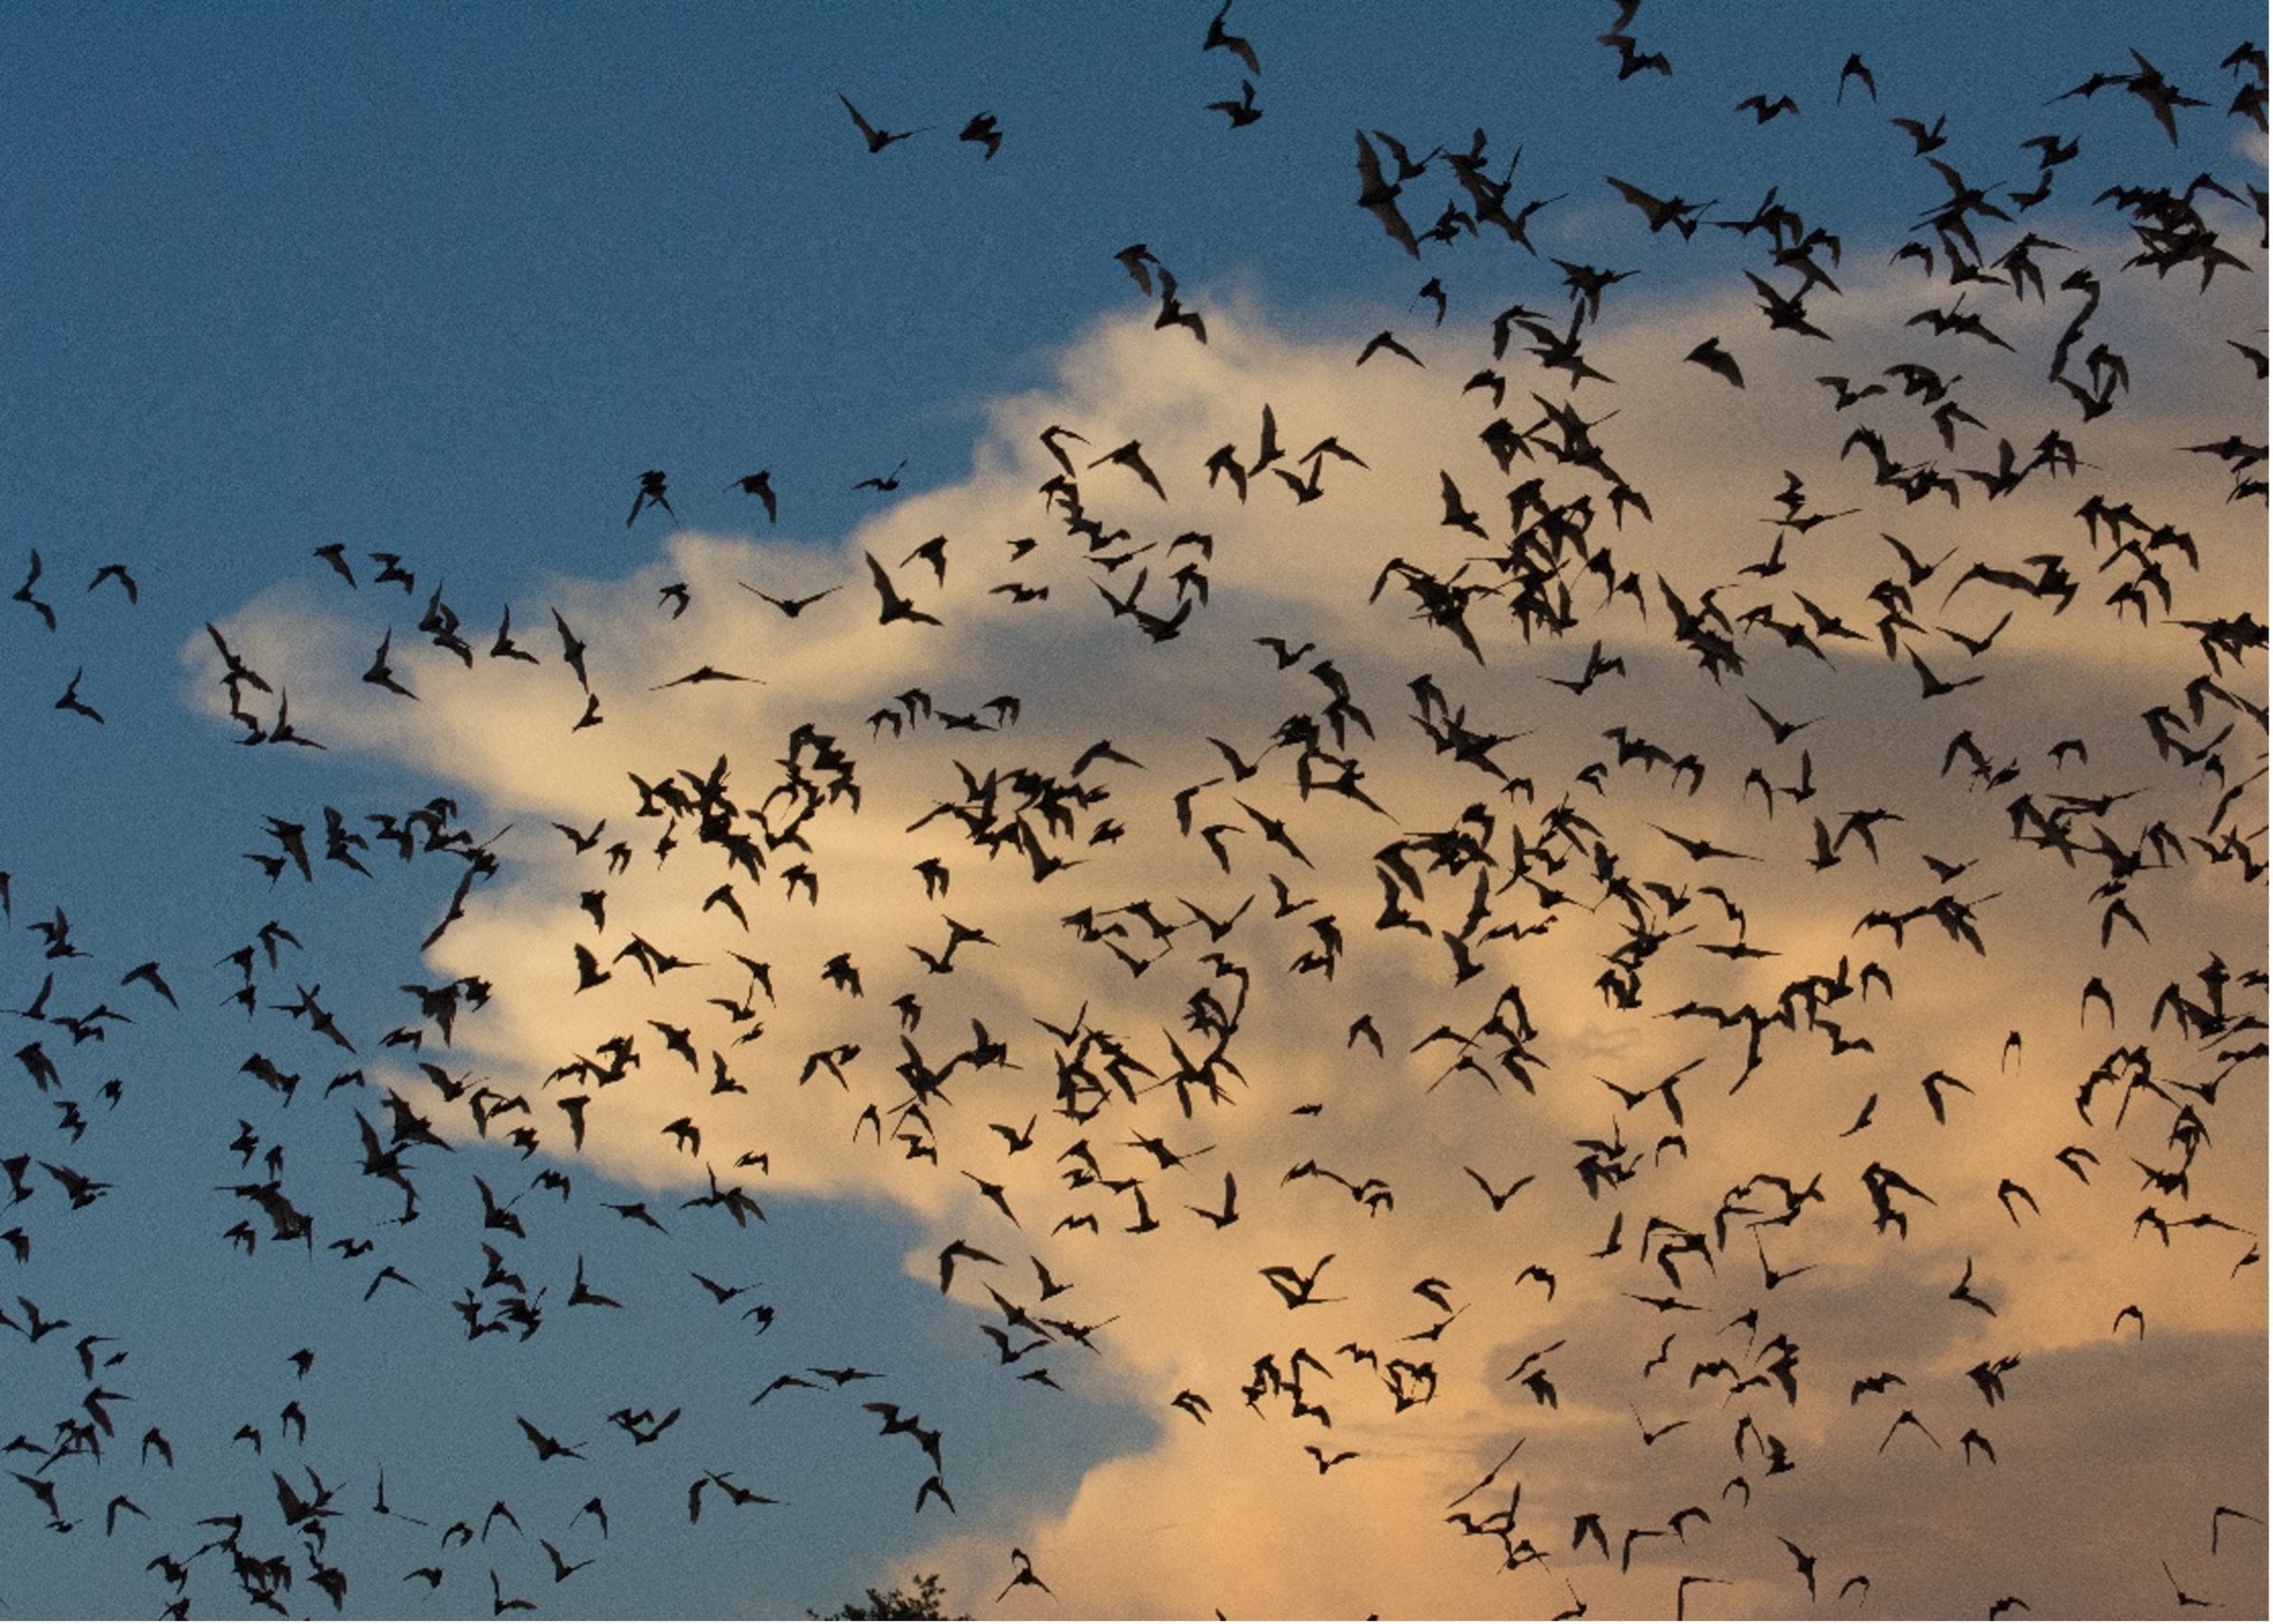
(1572, 990)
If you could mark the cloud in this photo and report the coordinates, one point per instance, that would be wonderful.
(1139, 1025)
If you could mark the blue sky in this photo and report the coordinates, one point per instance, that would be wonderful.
(444, 282)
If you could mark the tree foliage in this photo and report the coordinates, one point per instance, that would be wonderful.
(926, 1599)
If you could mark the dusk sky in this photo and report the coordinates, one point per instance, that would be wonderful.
(1443, 811)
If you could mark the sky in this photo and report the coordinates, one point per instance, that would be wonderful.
(1305, 918)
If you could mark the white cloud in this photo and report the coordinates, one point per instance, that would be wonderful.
(1235, 1513)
